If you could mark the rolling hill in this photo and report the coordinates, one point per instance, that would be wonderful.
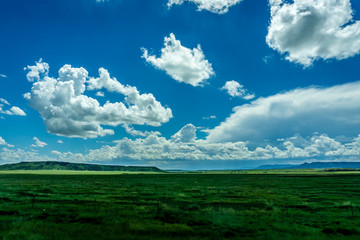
(53, 165)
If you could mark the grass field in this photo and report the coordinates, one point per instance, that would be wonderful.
(236, 205)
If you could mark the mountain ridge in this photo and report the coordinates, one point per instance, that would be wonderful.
(316, 165)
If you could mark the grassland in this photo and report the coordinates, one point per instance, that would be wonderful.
(235, 205)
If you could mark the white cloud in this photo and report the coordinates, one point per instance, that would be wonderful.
(215, 6)
(187, 134)
(67, 111)
(55, 152)
(38, 143)
(181, 63)
(209, 117)
(38, 71)
(130, 130)
(100, 94)
(184, 145)
(4, 143)
(308, 30)
(19, 155)
(333, 110)
(4, 101)
(158, 148)
(3, 76)
(15, 111)
(12, 111)
(235, 89)
(59, 141)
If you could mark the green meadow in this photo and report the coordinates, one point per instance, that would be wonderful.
(266, 204)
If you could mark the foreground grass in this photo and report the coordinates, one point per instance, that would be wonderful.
(180, 206)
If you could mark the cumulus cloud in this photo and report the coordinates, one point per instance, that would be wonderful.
(184, 145)
(19, 155)
(67, 111)
(12, 111)
(38, 143)
(186, 134)
(181, 63)
(235, 89)
(333, 110)
(59, 141)
(155, 147)
(4, 143)
(309, 30)
(215, 6)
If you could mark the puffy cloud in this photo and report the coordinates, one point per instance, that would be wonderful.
(4, 143)
(235, 89)
(38, 143)
(36, 72)
(333, 110)
(215, 6)
(184, 145)
(19, 155)
(186, 134)
(67, 111)
(158, 148)
(181, 63)
(12, 111)
(3, 76)
(308, 30)
(15, 111)
(59, 141)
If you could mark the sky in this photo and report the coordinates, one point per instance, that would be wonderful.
(180, 84)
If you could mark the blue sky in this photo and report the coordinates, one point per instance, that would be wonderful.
(180, 84)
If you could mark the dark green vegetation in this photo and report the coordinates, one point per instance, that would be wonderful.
(51, 165)
(179, 206)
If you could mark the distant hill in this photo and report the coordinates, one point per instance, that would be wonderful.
(277, 166)
(53, 165)
(317, 165)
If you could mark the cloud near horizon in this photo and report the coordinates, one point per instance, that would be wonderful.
(4, 143)
(67, 111)
(332, 110)
(310, 30)
(181, 63)
(157, 148)
(215, 6)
